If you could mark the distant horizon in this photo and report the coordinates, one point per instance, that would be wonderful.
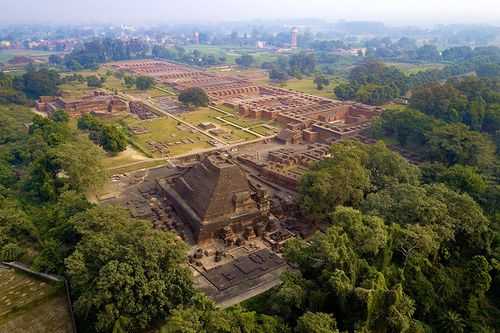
(284, 21)
(423, 13)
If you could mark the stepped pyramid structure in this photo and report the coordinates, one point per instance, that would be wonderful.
(213, 195)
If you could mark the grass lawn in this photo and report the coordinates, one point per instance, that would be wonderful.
(306, 85)
(130, 168)
(130, 155)
(165, 130)
(201, 115)
(243, 122)
(75, 90)
(209, 115)
(263, 130)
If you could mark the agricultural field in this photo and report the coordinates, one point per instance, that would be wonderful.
(409, 69)
(28, 304)
(6, 55)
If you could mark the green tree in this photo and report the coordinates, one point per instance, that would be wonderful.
(129, 81)
(194, 97)
(460, 178)
(122, 268)
(441, 101)
(452, 322)
(36, 83)
(245, 60)
(204, 317)
(59, 116)
(388, 168)
(82, 171)
(144, 82)
(278, 75)
(340, 180)
(316, 323)
(321, 81)
(455, 144)
(95, 82)
(345, 91)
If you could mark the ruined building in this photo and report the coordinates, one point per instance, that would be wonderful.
(214, 197)
(98, 103)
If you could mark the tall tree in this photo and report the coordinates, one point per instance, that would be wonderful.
(122, 268)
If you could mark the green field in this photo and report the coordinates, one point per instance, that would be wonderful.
(112, 83)
(166, 130)
(262, 130)
(409, 69)
(6, 55)
(209, 115)
(307, 86)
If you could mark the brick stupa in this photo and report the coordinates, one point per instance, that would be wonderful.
(212, 195)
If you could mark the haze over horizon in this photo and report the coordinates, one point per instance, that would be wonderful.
(392, 12)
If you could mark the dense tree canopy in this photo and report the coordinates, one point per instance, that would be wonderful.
(203, 317)
(124, 271)
(245, 60)
(111, 138)
(373, 83)
(358, 170)
(35, 83)
(144, 82)
(98, 51)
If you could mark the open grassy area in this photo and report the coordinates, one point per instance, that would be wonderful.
(243, 122)
(393, 106)
(130, 155)
(112, 83)
(307, 86)
(134, 167)
(179, 139)
(28, 304)
(263, 130)
(232, 134)
(409, 68)
(6, 55)
(75, 90)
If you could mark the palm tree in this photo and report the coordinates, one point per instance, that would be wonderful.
(452, 322)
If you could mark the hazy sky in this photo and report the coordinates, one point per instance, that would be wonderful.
(400, 12)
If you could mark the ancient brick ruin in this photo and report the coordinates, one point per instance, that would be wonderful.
(286, 166)
(98, 103)
(306, 118)
(214, 197)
